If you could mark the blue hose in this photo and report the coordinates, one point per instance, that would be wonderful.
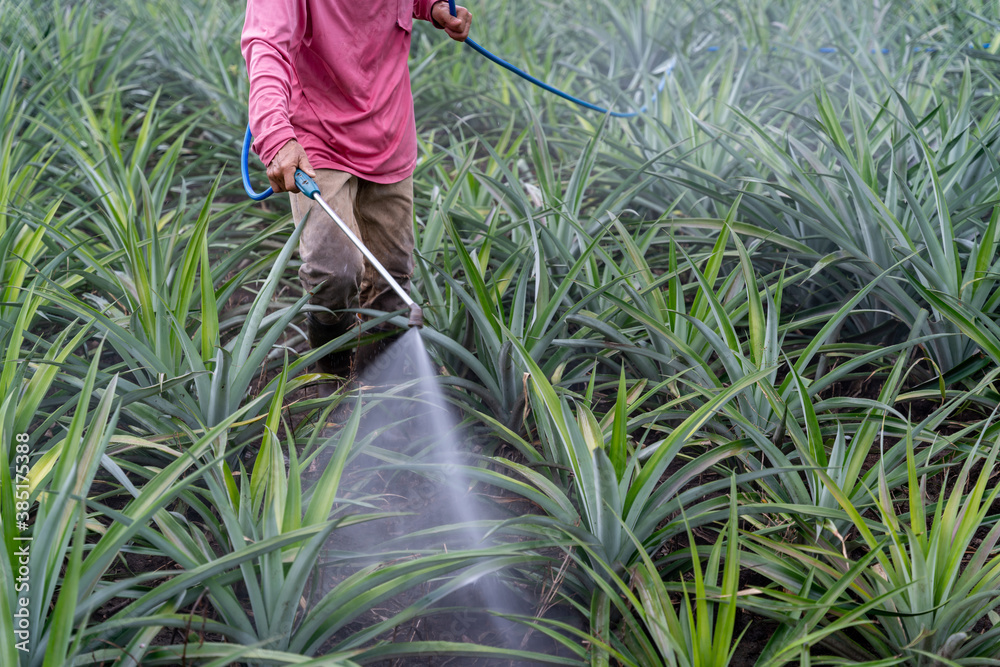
(245, 170)
(248, 137)
(555, 91)
(659, 88)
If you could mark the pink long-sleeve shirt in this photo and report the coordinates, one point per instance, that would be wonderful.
(333, 75)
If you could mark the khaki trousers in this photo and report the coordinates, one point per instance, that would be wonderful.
(333, 269)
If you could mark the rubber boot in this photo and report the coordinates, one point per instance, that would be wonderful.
(369, 355)
(337, 362)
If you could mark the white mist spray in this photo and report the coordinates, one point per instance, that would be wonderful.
(413, 461)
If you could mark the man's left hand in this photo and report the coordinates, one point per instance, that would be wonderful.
(456, 26)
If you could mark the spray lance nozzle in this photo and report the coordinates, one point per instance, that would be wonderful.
(416, 317)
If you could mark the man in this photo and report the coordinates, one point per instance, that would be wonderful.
(330, 94)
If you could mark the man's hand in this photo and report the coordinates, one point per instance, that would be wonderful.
(281, 171)
(456, 26)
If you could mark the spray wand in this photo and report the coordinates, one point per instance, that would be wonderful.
(308, 187)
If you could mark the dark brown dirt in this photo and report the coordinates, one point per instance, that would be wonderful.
(415, 492)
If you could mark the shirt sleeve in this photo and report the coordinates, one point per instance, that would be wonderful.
(422, 9)
(272, 31)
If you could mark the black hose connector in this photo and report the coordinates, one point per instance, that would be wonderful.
(416, 317)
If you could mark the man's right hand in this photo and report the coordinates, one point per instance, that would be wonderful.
(281, 171)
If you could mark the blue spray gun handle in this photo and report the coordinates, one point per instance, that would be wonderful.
(306, 185)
